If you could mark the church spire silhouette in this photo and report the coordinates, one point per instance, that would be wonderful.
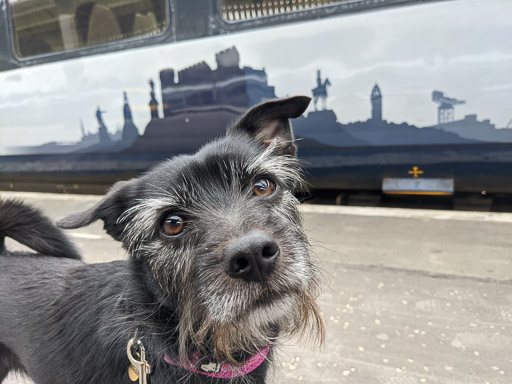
(126, 109)
(376, 99)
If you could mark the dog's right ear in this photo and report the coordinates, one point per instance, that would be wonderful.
(109, 209)
(269, 121)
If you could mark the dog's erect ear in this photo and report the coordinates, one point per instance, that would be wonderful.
(268, 121)
(108, 209)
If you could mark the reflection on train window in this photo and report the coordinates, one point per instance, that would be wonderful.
(45, 26)
(238, 10)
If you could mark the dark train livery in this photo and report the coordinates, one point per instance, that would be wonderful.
(409, 97)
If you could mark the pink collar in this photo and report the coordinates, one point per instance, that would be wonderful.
(210, 367)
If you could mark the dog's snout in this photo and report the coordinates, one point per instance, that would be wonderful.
(251, 257)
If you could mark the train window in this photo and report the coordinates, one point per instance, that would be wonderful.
(46, 26)
(240, 10)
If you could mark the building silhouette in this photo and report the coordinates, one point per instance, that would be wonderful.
(199, 103)
(88, 138)
(228, 85)
(471, 128)
(376, 99)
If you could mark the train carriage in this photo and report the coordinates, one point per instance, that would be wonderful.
(409, 97)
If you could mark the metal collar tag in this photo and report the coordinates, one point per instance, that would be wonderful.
(139, 369)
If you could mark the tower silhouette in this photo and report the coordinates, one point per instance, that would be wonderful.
(376, 99)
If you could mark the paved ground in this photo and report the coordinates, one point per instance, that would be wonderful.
(411, 296)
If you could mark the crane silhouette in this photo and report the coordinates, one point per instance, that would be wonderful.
(445, 109)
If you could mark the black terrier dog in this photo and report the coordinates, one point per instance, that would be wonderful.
(218, 273)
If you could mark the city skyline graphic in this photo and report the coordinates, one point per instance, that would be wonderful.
(198, 102)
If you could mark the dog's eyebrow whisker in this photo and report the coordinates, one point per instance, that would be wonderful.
(165, 193)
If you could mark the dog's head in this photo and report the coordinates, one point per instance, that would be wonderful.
(221, 234)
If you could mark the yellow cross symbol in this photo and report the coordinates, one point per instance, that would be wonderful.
(415, 171)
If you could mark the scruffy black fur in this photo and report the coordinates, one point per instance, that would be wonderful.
(234, 278)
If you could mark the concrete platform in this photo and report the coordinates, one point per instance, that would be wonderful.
(410, 296)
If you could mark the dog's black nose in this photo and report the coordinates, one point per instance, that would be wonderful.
(251, 257)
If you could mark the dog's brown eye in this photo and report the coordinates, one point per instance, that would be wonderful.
(173, 225)
(263, 187)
